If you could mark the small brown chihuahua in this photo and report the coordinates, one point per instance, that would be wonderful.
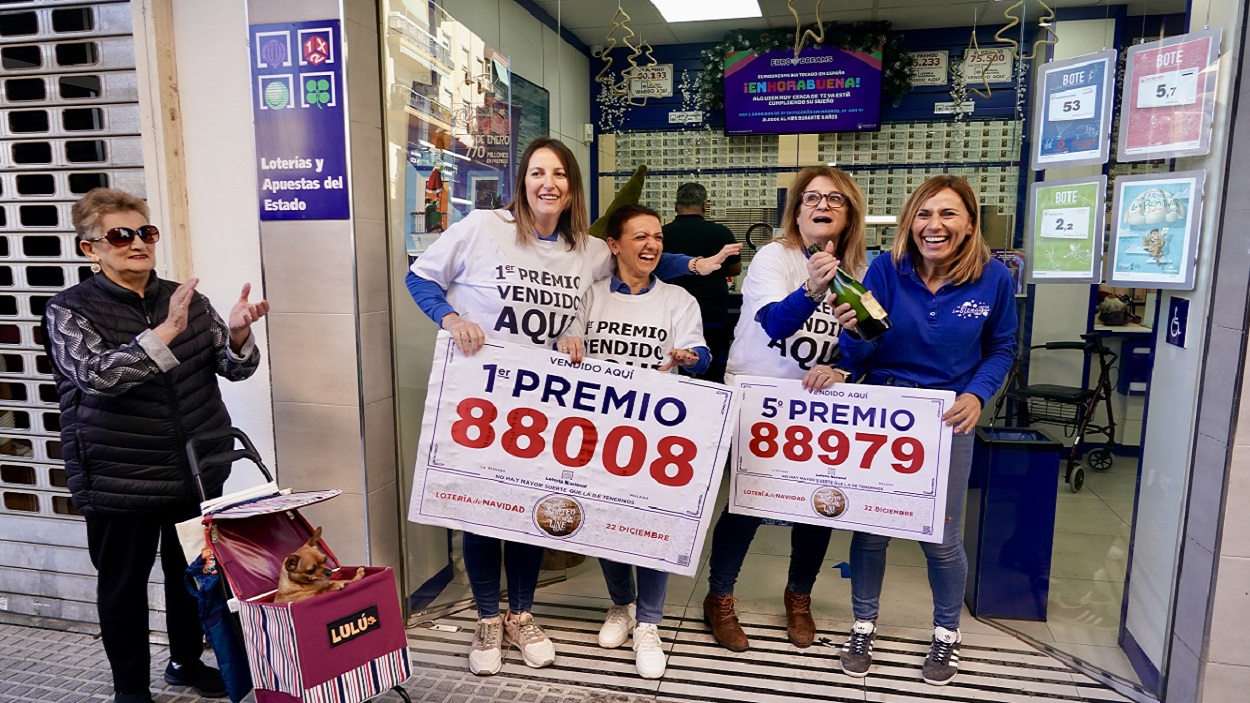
(304, 574)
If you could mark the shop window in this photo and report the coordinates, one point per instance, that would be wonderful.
(54, 449)
(42, 365)
(82, 119)
(11, 334)
(12, 363)
(48, 394)
(32, 153)
(37, 333)
(80, 183)
(21, 502)
(41, 245)
(36, 184)
(38, 216)
(76, 19)
(15, 419)
(56, 477)
(76, 54)
(6, 276)
(39, 303)
(80, 87)
(61, 505)
(52, 423)
(8, 308)
(45, 276)
(84, 272)
(18, 90)
(77, 152)
(19, 475)
(20, 58)
(17, 24)
(3, 218)
(28, 121)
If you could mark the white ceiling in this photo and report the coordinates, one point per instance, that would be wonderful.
(591, 20)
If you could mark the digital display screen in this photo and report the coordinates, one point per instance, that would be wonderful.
(822, 90)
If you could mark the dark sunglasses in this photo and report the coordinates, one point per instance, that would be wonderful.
(123, 236)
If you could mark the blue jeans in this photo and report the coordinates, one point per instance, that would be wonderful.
(522, 562)
(652, 585)
(948, 564)
(731, 538)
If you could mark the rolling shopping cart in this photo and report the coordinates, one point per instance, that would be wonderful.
(1070, 407)
(344, 646)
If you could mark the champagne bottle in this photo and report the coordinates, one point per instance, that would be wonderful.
(871, 320)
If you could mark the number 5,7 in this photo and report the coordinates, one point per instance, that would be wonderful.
(766, 441)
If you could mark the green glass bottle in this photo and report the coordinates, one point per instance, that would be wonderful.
(871, 320)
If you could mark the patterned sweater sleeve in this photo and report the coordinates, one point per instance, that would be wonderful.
(81, 354)
(230, 366)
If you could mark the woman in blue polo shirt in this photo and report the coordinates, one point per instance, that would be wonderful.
(954, 314)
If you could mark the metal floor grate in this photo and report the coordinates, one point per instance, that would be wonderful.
(992, 667)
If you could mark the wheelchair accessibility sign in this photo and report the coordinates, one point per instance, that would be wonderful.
(1177, 322)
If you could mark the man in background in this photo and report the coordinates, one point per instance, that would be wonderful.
(692, 235)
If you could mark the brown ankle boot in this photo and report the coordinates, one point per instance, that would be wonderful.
(799, 624)
(718, 613)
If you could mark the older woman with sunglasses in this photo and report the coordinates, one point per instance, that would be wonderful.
(136, 359)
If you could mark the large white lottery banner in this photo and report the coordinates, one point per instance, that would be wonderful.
(855, 457)
(600, 459)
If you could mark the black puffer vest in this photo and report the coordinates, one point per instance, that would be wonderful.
(126, 453)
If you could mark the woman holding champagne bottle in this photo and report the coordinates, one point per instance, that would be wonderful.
(954, 328)
(788, 330)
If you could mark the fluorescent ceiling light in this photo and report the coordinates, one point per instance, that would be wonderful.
(702, 10)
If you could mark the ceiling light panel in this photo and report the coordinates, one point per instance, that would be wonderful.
(703, 10)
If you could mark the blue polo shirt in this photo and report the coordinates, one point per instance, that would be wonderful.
(961, 339)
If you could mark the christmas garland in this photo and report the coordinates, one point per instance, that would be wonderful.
(896, 60)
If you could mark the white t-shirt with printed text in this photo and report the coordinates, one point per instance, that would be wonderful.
(775, 272)
(525, 294)
(639, 330)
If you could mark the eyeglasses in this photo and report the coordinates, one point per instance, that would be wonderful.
(123, 236)
(812, 199)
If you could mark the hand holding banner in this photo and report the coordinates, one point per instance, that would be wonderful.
(866, 458)
(598, 458)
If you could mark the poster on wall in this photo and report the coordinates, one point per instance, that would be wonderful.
(930, 68)
(1168, 102)
(988, 65)
(1072, 113)
(1065, 230)
(822, 90)
(297, 105)
(1154, 237)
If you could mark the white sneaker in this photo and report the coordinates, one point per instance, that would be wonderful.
(486, 656)
(649, 651)
(536, 648)
(617, 626)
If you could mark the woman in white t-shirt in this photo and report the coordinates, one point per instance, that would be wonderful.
(787, 330)
(519, 275)
(634, 318)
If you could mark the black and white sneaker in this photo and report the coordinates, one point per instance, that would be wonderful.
(943, 661)
(856, 656)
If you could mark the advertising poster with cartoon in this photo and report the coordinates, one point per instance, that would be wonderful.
(1168, 102)
(1065, 230)
(1155, 233)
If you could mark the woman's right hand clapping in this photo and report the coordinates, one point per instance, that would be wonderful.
(468, 336)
